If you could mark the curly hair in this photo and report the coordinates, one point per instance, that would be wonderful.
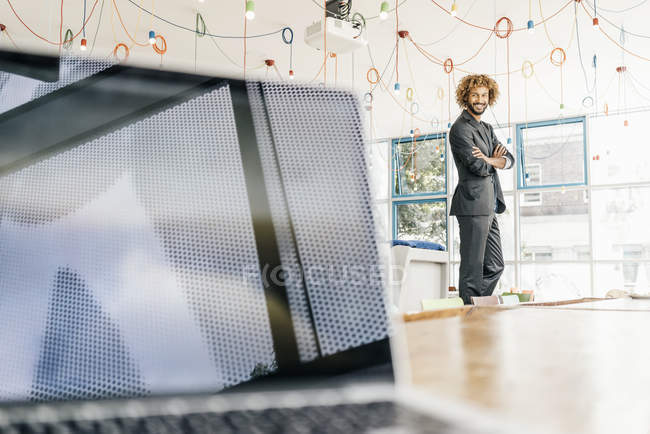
(478, 80)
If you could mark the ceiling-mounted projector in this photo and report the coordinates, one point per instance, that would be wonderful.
(342, 36)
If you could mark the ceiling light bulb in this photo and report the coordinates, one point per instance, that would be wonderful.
(383, 12)
(250, 10)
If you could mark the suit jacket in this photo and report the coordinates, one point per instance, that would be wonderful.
(478, 181)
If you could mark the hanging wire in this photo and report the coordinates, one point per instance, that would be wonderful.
(289, 42)
(620, 11)
(367, 18)
(83, 27)
(593, 8)
(99, 22)
(476, 26)
(171, 23)
(584, 71)
(60, 43)
(453, 29)
(372, 62)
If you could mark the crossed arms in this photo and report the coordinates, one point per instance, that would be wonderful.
(462, 145)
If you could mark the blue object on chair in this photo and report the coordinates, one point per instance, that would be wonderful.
(419, 244)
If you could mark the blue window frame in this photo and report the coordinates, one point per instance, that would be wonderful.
(563, 163)
(436, 231)
(419, 166)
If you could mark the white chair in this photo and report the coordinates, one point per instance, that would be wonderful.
(418, 274)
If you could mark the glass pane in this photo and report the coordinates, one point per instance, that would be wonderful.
(620, 223)
(505, 284)
(553, 155)
(426, 221)
(609, 164)
(455, 250)
(556, 228)
(453, 174)
(382, 221)
(419, 166)
(379, 169)
(506, 176)
(626, 276)
(506, 227)
(556, 281)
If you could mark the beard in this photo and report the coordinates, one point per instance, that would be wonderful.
(477, 112)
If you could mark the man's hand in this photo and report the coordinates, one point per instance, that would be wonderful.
(496, 161)
(499, 151)
(478, 153)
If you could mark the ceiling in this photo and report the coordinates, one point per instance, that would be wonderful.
(429, 25)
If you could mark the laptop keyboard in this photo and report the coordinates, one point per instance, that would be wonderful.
(375, 417)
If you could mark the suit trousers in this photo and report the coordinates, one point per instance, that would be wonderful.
(481, 257)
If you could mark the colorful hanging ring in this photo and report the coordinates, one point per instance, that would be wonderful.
(448, 65)
(527, 65)
(416, 133)
(370, 80)
(67, 40)
(508, 31)
(441, 93)
(163, 48)
(117, 49)
(587, 102)
(201, 28)
(288, 40)
(409, 94)
(560, 61)
(415, 108)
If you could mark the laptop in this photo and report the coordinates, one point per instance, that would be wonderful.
(182, 253)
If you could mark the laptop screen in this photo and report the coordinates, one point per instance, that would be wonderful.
(166, 233)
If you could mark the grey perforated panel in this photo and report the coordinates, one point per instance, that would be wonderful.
(295, 289)
(152, 222)
(128, 265)
(16, 90)
(321, 156)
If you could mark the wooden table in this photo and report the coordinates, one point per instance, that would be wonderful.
(561, 370)
(622, 304)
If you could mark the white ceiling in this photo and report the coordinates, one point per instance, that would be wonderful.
(425, 22)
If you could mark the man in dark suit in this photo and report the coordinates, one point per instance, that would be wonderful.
(478, 197)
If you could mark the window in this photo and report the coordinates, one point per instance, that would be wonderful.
(560, 221)
(378, 155)
(534, 173)
(419, 166)
(619, 153)
(556, 281)
(424, 220)
(506, 176)
(558, 147)
(628, 276)
(620, 220)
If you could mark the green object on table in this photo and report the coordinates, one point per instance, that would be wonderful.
(523, 298)
(441, 303)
